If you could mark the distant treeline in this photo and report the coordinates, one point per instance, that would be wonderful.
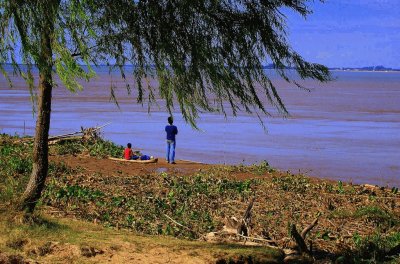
(8, 67)
(368, 68)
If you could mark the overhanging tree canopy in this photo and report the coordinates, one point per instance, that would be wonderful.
(203, 53)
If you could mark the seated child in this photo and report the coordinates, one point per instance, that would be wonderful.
(130, 155)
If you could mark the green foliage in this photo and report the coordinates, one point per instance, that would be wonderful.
(58, 169)
(373, 214)
(98, 148)
(377, 215)
(105, 148)
(265, 167)
(375, 248)
(340, 188)
(68, 147)
(262, 168)
(14, 158)
(180, 198)
(257, 169)
(71, 192)
(15, 164)
(292, 183)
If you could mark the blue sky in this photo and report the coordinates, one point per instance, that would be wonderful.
(350, 33)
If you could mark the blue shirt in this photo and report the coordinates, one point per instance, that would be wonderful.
(171, 132)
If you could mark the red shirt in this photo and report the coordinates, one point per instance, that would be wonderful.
(128, 153)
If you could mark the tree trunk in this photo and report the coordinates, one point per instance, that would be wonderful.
(40, 148)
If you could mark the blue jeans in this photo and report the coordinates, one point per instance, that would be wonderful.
(171, 151)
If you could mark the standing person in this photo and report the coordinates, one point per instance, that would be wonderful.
(172, 131)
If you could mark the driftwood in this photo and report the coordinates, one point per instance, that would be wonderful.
(302, 254)
(300, 238)
(85, 134)
(238, 228)
(270, 241)
(301, 244)
(241, 229)
(308, 228)
(244, 228)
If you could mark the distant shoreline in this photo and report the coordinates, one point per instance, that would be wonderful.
(272, 67)
(388, 71)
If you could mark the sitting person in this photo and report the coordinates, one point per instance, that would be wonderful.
(130, 155)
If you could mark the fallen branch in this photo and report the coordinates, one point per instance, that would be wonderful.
(300, 238)
(257, 239)
(308, 228)
(55, 141)
(179, 224)
(88, 132)
(301, 244)
(244, 228)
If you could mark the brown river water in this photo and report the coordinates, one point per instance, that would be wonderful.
(347, 130)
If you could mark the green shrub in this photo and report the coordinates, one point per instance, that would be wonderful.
(105, 148)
